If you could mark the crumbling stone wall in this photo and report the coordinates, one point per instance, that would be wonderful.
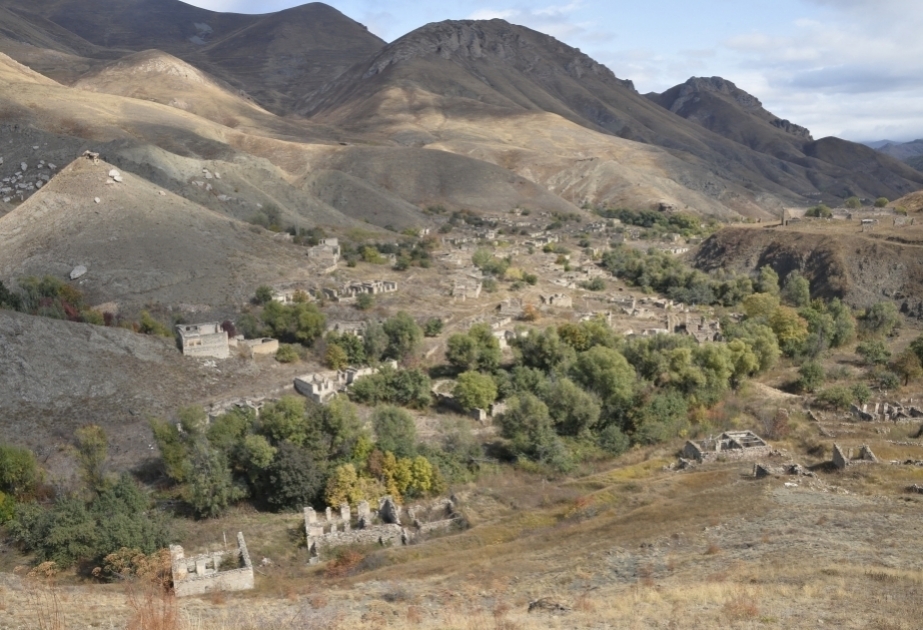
(733, 445)
(370, 527)
(202, 574)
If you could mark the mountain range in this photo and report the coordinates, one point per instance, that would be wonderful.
(307, 113)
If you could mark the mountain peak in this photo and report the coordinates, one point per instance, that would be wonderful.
(472, 40)
(720, 85)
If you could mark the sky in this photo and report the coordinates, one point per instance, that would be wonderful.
(846, 68)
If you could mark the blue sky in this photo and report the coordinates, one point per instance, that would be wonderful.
(849, 68)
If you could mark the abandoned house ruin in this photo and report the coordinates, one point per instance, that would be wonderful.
(842, 459)
(390, 525)
(210, 572)
(891, 412)
(323, 386)
(204, 340)
(729, 445)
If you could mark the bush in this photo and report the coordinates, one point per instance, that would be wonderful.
(365, 301)
(408, 388)
(853, 203)
(881, 319)
(819, 211)
(810, 376)
(881, 202)
(150, 326)
(19, 473)
(873, 352)
(72, 530)
(286, 353)
(596, 284)
(837, 397)
(433, 327)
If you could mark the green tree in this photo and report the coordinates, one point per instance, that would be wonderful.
(286, 353)
(853, 203)
(404, 336)
(335, 357)
(761, 306)
(790, 329)
(797, 290)
(880, 319)
(545, 351)
(263, 295)
(175, 454)
(767, 281)
(150, 326)
(433, 327)
(660, 418)
(92, 448)
(820, 211)
(294, 323)
(606, 372)
(873, 352)
(285, 421)
(19, 472)
(395, 430)
(365, 301)
(810, 376)
(462, 352)
(474, 390)
(908, 366)
(211, 488)
(573, 411)
(881, 202)
(527, 424)
(294, 479)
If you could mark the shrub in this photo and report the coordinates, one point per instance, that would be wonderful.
(72, 530)
(881, 319)
(263, 295)
(433, 327)
(596, 284)
(365, 301)
(19, 472)
(150, 326)
(820, 211)
(853, 203)
(286, 353)
(881, 202)
(810, 376)
(837, 397)
(873, 352)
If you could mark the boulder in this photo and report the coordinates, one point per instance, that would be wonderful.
(77, 271)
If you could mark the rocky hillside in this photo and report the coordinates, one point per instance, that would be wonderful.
(861, 268)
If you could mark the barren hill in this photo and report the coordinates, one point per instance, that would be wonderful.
(160, 77)
(140, 244)
(502, 95)
(449, 80)
(274, 57)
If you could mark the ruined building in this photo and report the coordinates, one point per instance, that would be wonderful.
(210, 572)
(204, 340)
(729, 445)
(843, 459)
(387, 526)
